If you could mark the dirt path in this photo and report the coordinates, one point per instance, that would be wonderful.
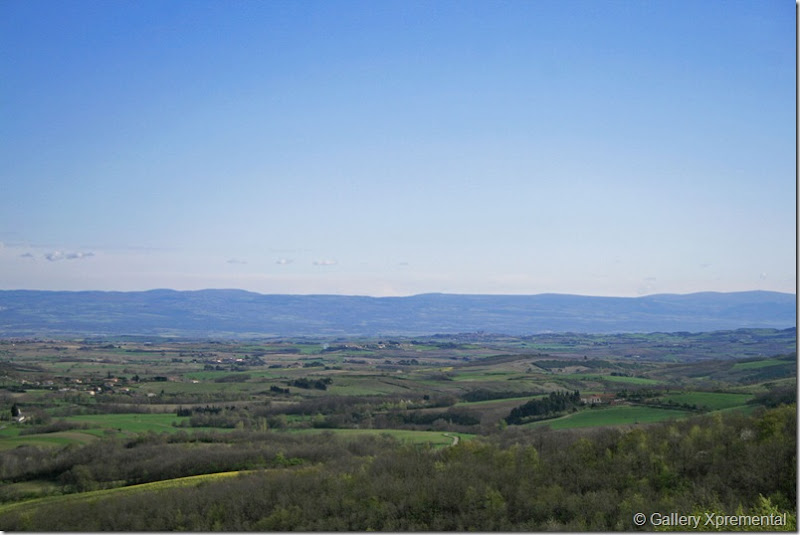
(455, 438)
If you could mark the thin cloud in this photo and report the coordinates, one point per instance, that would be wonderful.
(237, 261)
(78, 256)
(325, 262)
(26, 255)
(284, 261)
(56, 256)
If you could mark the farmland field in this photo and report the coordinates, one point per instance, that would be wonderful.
(434, 438)
(757, 364)
(611, 416)
(615, 378)
(132, 423)
(109, 425)
(710, 400)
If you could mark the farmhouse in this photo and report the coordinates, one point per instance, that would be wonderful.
(597, 399)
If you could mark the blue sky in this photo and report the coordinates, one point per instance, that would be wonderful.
(398, 147)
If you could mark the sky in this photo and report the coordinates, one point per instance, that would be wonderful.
(596, 147)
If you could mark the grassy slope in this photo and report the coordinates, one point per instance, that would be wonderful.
(99, 494)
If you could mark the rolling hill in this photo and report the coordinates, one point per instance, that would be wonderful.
(241, 314)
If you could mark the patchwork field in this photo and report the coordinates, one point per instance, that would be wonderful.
(90, 425)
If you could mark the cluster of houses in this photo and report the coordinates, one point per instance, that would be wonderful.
(63, 384)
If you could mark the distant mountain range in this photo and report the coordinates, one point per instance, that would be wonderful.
(241, 314)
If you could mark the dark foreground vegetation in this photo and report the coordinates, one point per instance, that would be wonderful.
(515, 481)
(460, 433)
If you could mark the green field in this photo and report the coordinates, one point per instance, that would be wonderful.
(709, 400)
(490, 402)
(364, 385)
(613, 378)
(99, 425)
(619, 415)
(757, 364)
(134, 423)
(435, 438)
(485, 376)
(61, 438)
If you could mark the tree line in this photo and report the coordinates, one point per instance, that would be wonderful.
(546, 407)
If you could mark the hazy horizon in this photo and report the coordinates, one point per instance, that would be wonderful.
(406, 295)
(607, 148)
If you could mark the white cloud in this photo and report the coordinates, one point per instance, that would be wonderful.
(55, 256)
(325, 262)
(284, 261)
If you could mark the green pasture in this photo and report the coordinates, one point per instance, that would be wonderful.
(757, 364)
(710, 400)
(613, 378)
(178, 387)
(435, 438)
(61, 438)
(485, 375)
(98, 425)
(10, 437)
(309, 349)
(631, 380)
(363, 385)
(502, 401)
(211, 375)
(618, 415)
(131, 423)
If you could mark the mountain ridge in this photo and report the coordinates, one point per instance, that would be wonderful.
(237, 313)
